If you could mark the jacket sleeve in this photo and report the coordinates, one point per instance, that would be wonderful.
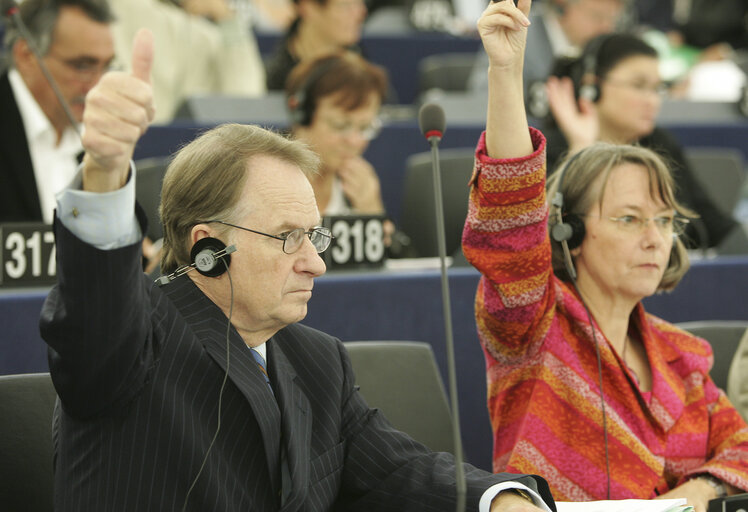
(386, 469)
(96, 322)
(506, 239)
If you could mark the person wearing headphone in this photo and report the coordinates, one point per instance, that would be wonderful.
(584, 386)
(202, 391)
(333, 105)
(613, 92)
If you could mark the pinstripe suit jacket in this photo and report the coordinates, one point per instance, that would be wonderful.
(139, 371)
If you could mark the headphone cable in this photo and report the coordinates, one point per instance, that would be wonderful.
(600, 378)
(220, 394)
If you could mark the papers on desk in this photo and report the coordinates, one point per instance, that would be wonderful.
(675, 505)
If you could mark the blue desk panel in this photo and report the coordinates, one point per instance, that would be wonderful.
(406, 305)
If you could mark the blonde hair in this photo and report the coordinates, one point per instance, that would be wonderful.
(206, 178)
(579, 196)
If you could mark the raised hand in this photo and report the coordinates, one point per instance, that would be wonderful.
(577, 120)
(502, 28)
(118, 111)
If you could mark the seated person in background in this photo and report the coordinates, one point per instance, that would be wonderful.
(613, 93)
(558, 348)
(560, 28)
(204, 48)
(39, 149)
(334, 105)
(321, 27)
(205, 394)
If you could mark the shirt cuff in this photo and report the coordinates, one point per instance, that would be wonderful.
(104, 220)
(494, 490)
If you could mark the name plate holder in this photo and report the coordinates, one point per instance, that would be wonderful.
(358, 241)
(28, 255)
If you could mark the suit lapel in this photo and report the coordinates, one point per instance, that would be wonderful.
(209, 325)
(296, 420)
(19, 171)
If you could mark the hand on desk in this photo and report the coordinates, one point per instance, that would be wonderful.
(118, 111)
(512, 502)
(696, 491)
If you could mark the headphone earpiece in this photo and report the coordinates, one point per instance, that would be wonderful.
(589, 92)
(205, 257)
(568, 229)
(576, 225)
(298, 110)
(587, 85)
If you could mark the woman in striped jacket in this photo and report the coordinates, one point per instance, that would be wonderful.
(584, 387)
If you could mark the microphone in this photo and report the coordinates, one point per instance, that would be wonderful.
(433, 124)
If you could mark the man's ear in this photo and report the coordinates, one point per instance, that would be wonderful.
(199, 231)
(23, 57)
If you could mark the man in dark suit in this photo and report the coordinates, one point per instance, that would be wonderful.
(205, 394)
(39, 147)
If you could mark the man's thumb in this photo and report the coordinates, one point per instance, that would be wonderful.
(142, 55)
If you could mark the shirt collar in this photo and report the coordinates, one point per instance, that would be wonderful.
(35, 122)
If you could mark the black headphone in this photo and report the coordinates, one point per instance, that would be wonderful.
(568, 228)
(300, 104)
(588, 87)
(205, 256)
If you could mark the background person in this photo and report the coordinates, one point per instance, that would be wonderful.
(321, 27)
(621, 73)
(204, 48)
(39, 148)
(334, 104)
(668, 430)
(560, 28)
(146, 374)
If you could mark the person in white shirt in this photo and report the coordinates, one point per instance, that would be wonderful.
(39, 147)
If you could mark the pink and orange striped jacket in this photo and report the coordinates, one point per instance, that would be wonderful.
(543, 387)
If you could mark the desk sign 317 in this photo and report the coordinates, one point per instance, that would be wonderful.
(358, 241)
(28, 255)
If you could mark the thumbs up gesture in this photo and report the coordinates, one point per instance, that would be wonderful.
(117, 113)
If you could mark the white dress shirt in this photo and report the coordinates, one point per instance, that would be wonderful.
(54, 164)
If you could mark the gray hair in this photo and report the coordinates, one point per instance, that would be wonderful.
(40, 18)
(206, 178)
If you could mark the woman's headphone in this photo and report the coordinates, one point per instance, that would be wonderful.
(568, 228)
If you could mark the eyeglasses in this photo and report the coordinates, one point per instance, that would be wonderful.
(666, 224)
(346, 128)
(292, 240)
(86, 68)
(660, 89)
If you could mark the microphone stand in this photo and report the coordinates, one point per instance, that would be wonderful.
(447, 312)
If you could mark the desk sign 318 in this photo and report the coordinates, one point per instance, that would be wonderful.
(358, 241)
(28, 255)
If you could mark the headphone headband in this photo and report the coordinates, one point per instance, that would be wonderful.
(300, 104)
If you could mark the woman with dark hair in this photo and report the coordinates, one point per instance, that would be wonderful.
(321, 27)
(584, 386)
(334, 105)
(613, 93)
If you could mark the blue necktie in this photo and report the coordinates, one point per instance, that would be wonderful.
(263, 367)
(285, 474)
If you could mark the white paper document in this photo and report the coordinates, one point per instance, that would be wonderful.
(675, 505)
